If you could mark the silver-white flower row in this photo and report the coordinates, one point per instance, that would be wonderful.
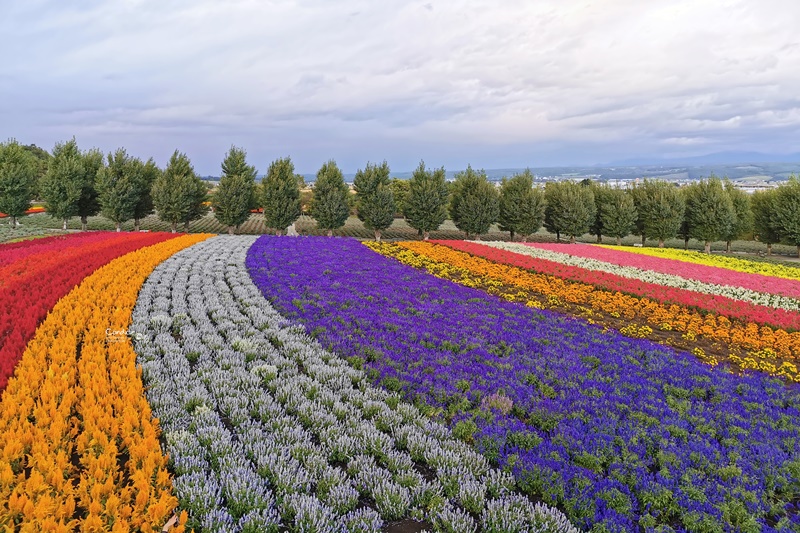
(668, 280)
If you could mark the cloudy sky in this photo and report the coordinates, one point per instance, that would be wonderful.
(493, 83)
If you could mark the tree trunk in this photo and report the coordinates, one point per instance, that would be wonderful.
(660, 243)
(136, 224)
(13, 222)
(425, 235)
(708, 247)
(330, 233)
(558, 236)
(728, 246)
(230, 230)
(174, 226)
(524, 238)
(378, 235)
(119, 228)
(572, 239)
(512, 235)
(84, 223)
(599, 239)
(643, 239)
(686, 243)
(619, 241)
(186, 227)
(64, 225)
(769, 249)
(278, 232)
(798, 250)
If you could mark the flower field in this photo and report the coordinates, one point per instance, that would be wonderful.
(168, 382)
(621, 433)
(34, 275)
(80, 447)
(713, 338)
(265, 429)
(731, 263)
(759, 289)
(733, 303)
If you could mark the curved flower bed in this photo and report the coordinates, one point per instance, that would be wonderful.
(764, 348)
(718, 305)
(736, 264)
(618, 431)
(266, 431)
(14, 251)
(80, 448)
(707, 279)
(34, 275)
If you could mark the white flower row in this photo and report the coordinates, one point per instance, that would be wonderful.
(267, 431)
(668, 280)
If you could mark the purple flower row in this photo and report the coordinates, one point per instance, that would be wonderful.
(617, 432)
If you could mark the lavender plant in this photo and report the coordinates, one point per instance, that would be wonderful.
(622, 434)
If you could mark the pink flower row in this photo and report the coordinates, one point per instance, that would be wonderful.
(720, 305)
(704, 273)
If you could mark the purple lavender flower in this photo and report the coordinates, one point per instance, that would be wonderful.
(622, 432)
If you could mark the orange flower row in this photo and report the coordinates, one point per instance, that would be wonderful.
(742, 340)
(80, 448)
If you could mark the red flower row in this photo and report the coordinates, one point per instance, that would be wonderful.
(727, 307)
(684, 269)
(32, 284)
(15, 252)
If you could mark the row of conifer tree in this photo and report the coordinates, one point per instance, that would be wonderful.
(122, 187)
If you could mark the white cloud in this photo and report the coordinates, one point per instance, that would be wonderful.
(369, 80)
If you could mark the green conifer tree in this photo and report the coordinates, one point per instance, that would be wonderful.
(660, 207)
(178, 193)
(425, 205)
(475, 203)
(117, 187)
(618, 214)
(570, 208)
(235, 196)
(18, 175)
(281, 195)
(146, 176)
(521, 205)
(742, 215)
(62, 185)
(89, 202)
(765, 220)
(787, 211)
(329, 206)
(709, 211)
(374, 198)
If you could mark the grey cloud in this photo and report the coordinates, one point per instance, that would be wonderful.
(558, 77)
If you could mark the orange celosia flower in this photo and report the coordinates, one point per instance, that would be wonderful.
(76, 403)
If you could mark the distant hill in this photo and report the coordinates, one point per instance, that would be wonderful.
(734, 165)
(718, 158)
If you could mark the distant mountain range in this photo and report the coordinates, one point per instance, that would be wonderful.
(718, 158)
(734, 165)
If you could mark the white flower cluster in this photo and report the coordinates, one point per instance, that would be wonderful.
(668, 280)
(267, 431)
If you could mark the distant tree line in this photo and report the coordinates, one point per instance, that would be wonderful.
(76, 183)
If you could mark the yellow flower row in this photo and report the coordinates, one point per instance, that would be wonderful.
(79, 447)
(518, 285)
(737, 264)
